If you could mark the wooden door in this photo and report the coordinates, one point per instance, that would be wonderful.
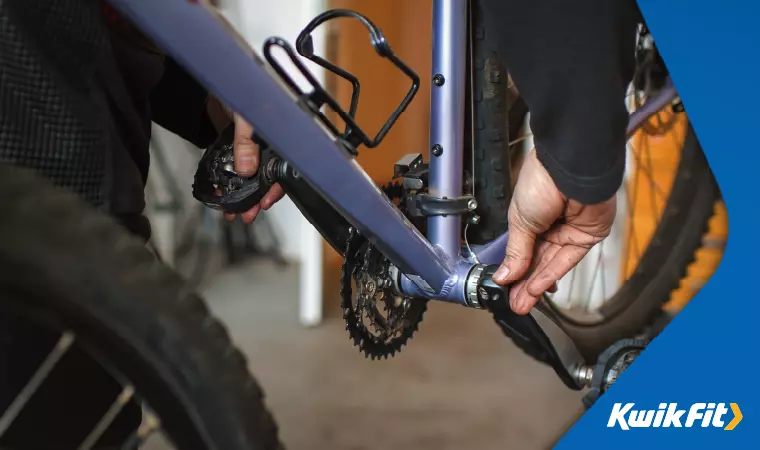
(407, 27)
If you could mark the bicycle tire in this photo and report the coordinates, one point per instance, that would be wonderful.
(662, 265)
(487, 142)
(71, 266)
(499, 116)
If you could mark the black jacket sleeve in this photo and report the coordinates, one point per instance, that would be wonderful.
(572, 62)
(178, 103)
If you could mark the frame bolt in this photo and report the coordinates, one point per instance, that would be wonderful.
(472, 205)
(437, 150)
(438, 80)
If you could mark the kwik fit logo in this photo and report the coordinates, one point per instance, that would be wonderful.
(669, 415)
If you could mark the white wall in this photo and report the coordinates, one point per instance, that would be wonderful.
(258, 20)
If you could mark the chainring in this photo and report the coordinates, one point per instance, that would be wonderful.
(375, 335)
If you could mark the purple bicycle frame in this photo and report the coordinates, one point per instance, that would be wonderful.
(433, 267)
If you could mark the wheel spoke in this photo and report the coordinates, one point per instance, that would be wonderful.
(520, 139)
(652, 186)
(639, 163)
(604, 273)
(151, 424)
(121, 401)
(63, 344)
(572, 283)
(631, 229)
(587, 300)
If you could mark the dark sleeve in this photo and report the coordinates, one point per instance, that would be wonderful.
(178, 103)
(572, 62)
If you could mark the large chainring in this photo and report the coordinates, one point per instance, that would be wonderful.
(377, 320)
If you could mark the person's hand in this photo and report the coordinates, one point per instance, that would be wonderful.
(247, 156)
(548, 235)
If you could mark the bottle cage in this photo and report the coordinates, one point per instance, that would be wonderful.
(352, 136)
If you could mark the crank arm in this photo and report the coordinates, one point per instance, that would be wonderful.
(538, 333)
(327, 221)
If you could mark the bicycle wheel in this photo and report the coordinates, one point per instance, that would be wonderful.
(98, 292)
(682, 210)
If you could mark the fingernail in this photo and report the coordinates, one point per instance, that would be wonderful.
(245, 164)
(518, 305)
(501, 273)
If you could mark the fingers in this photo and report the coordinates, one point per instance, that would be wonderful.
(555, 265)
(272, 196)
(520, 244)
(249, 216)
(566, 258)
(246, 152)
(523, 300)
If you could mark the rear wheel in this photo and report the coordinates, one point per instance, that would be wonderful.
(651, 258)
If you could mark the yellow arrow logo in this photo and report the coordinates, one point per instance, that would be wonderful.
(737, 417)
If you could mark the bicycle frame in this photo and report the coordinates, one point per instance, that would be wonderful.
(435, 267)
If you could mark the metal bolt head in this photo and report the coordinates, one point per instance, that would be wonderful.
(483, 293)
(472, 205)
(437, 150)
(438, 79)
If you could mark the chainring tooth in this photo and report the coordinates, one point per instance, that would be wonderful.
(372, 346)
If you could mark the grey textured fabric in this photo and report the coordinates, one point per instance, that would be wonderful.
(46, 80)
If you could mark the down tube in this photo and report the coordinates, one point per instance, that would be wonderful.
(191, 33)
(447, 114)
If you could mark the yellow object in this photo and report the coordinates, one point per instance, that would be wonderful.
(658, 154)
(737, 417)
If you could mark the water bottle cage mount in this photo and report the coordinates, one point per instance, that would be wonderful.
(352, 136)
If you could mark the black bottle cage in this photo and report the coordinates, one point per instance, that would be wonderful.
(353, 136)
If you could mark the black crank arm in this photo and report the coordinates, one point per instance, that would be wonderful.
(328, 222)
(537, 333)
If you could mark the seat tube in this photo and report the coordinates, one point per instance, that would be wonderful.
(447, 117)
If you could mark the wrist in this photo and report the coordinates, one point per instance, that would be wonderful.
(583, 189)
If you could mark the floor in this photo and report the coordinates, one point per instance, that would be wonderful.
(459, 384)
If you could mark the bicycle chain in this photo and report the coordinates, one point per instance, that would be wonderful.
(403, 319)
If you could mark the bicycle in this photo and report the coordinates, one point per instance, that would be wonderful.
(402, 243)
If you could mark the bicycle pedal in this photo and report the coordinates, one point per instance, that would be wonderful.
(609, 366)
(219, 186)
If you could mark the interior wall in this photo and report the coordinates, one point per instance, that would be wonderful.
(258, 20)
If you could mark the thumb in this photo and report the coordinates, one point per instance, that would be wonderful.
(246, 152)
(520, 244)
